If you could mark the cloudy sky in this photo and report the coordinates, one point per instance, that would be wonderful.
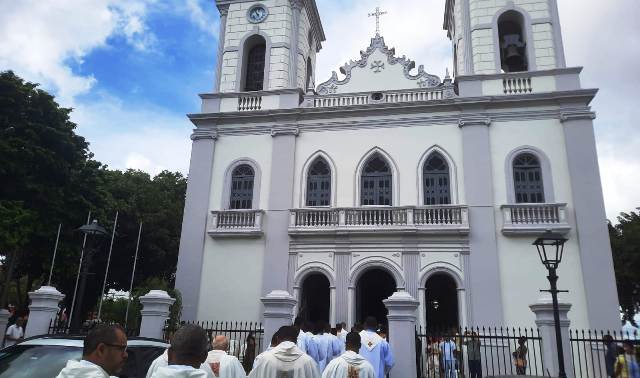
(131, 69)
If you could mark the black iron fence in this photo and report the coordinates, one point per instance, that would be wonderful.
(492, 351)
(246, 339)
(60, 328)
(589, 351)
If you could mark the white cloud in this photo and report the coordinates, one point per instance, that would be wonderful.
(204, 20)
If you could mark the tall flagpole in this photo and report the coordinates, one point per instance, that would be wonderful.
(55, 249)
(106, 273)
(133, 273)
(75, 290)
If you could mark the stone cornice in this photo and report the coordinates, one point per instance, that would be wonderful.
(209, 96)
(552, 72)
(278, 131)
(575, 115)
(474, 121)
(204, 133)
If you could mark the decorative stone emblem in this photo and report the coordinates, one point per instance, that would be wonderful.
(422, 83)
(332, 89)
(377, 66)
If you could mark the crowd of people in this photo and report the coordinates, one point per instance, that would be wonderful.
(621, 360)
(294, 352)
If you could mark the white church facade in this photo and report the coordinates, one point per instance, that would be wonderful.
(387, 177)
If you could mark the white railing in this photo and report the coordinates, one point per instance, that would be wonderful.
(249, 103)
(336, 101)
(444, 218)
(534, 217)
(517, 85)
(327, 101)
(236, 222)
(424, 95)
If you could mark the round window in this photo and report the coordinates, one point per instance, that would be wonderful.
(257, 13)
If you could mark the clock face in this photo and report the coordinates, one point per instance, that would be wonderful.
(257, 14)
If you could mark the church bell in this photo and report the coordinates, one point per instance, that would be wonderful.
(513, 50)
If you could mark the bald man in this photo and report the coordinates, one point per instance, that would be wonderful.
(222, 364)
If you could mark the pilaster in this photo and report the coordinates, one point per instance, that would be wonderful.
(342, 286)
(296, 9)
(194, 223)
(591, 222)
(411, 267)
(280, 201)
(224, 11)
(483, 268)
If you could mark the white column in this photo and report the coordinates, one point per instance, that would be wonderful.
(42, 310)
(278, 312)
(351, 299)
(155, 312)
(296, 296)
(422, 313)
(332, 306)
(462, 307)
(546, 324)
(402, 324)
(4, 319)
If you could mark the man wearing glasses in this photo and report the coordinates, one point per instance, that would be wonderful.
(103, 355)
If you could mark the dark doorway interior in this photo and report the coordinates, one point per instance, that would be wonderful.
(372, 288)
(441, 303)
(315, 302)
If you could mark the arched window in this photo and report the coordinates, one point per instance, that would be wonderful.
(319, 184)
(242, 187)
(255, 50)
(376, 182)
(513, 43)
(309, 74)
(527, 179)
(435, 181)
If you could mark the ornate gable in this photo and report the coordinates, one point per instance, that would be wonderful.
(378, 70)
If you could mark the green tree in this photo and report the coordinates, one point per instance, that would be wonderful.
(625, 244)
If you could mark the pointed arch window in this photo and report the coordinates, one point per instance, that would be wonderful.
(242, 181)
(319, 183)
(527, 179)
(436, 181)
(376, 182)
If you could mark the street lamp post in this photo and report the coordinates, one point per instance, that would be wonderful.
(92, 231)
(550, 247)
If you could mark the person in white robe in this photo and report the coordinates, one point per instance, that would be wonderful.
(350, 364)
(375, 349)
(163, 361)
(285, 360)
(342, 332)
(188, 351)
(305, 339)
(222, 364)
(103, 355)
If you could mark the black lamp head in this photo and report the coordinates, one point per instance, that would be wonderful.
(93, 228)
(550, 247)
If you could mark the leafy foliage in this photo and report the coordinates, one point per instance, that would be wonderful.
(625, 244)
(49, 177)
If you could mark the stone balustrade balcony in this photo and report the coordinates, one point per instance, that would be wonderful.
(443, 219)
(534, 218)
(236, 223)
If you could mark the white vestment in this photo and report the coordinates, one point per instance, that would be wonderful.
(377, 351)
(349, 362)
(342, 335)
(285, 361)
(224, 365)
(82, 369)
(178, 371)
(163, 361)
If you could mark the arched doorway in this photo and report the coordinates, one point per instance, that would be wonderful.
(315, 300)
(373, 286)
(441, 302)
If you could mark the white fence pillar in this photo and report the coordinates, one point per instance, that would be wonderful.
(278, 312)
(402, 327)
(546, 324)
(42, 310)
(4, 319)
(155, 312)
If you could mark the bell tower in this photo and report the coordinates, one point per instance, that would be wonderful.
(267, 45)
(504, 36)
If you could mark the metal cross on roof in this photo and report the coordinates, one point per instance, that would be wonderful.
(377, 15)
